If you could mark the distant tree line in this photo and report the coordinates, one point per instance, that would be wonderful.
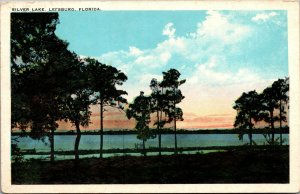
(263, 110)
(167, 130)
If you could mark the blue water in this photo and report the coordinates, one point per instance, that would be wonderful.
(88, 142)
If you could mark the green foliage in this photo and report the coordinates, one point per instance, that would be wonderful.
(281, 86)
(173, 94)
(140, 110)
(42, 69)
(102, 80)
(30, 34)
(50, 83)
(44, 74)
(252, 108)
(248, 108)
(76, 104)
(166, 95)
(16, 154)
(160, 104)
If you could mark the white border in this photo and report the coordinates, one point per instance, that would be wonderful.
(294, 72)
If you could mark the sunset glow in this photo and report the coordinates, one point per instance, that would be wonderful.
(221, 54)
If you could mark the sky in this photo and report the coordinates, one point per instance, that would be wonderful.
(221, 54)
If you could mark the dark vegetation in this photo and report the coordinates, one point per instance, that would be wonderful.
(49, 84)
(144, 150)
(253, 108)
(162, 103)
(240, 166)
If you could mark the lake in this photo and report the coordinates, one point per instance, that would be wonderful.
(91, 142)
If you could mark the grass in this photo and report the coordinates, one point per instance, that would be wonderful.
(239, 166)
(134, 150)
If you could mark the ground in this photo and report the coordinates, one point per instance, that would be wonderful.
(243, 166)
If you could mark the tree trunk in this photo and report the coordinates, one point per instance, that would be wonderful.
(77, 141)
(250, 132)
(175, 128)
(272, 127)
(159, 133)
(101, 129)
(144, 147)
(52, 145)
(280, 121)
(160, 129)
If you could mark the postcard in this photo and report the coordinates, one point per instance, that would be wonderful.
(150, 97)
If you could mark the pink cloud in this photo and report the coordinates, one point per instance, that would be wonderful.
(116, 119)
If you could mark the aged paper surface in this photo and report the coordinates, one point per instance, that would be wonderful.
(292, 9)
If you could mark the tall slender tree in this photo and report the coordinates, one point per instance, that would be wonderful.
(171, 82)
(140, 110)
(78, 113)
(76, 105)
(248, 109)
(269, 105)
(281, 87)
(159, 107)
(103, 80)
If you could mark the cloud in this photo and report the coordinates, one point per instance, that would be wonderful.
(193, 48)
(224, 54)
(169, 30)
(134, 51)
(206, 122)
(263, 17)
(215, 76)
(202, 51)
(218, 27)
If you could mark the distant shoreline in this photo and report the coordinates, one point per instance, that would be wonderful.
(181, 131)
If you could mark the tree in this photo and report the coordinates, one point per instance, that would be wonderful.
(159, 106)
(281, 86)
(29, 33)
(171, 82)
(140, 110)
(248, 107)
(269, 104)
(77, 105)
(78, 113)
(42, 68)
(103, 80)
(46, 87)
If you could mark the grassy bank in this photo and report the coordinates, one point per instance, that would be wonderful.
(129, 150)
(260, 166)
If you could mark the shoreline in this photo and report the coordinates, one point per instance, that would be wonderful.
(180, 131)
(180, 149)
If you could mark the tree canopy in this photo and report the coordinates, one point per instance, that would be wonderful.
(51, 83)
(141, 110)
(267, 106)
(103, 80)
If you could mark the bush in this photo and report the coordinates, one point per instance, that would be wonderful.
(16, 154)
